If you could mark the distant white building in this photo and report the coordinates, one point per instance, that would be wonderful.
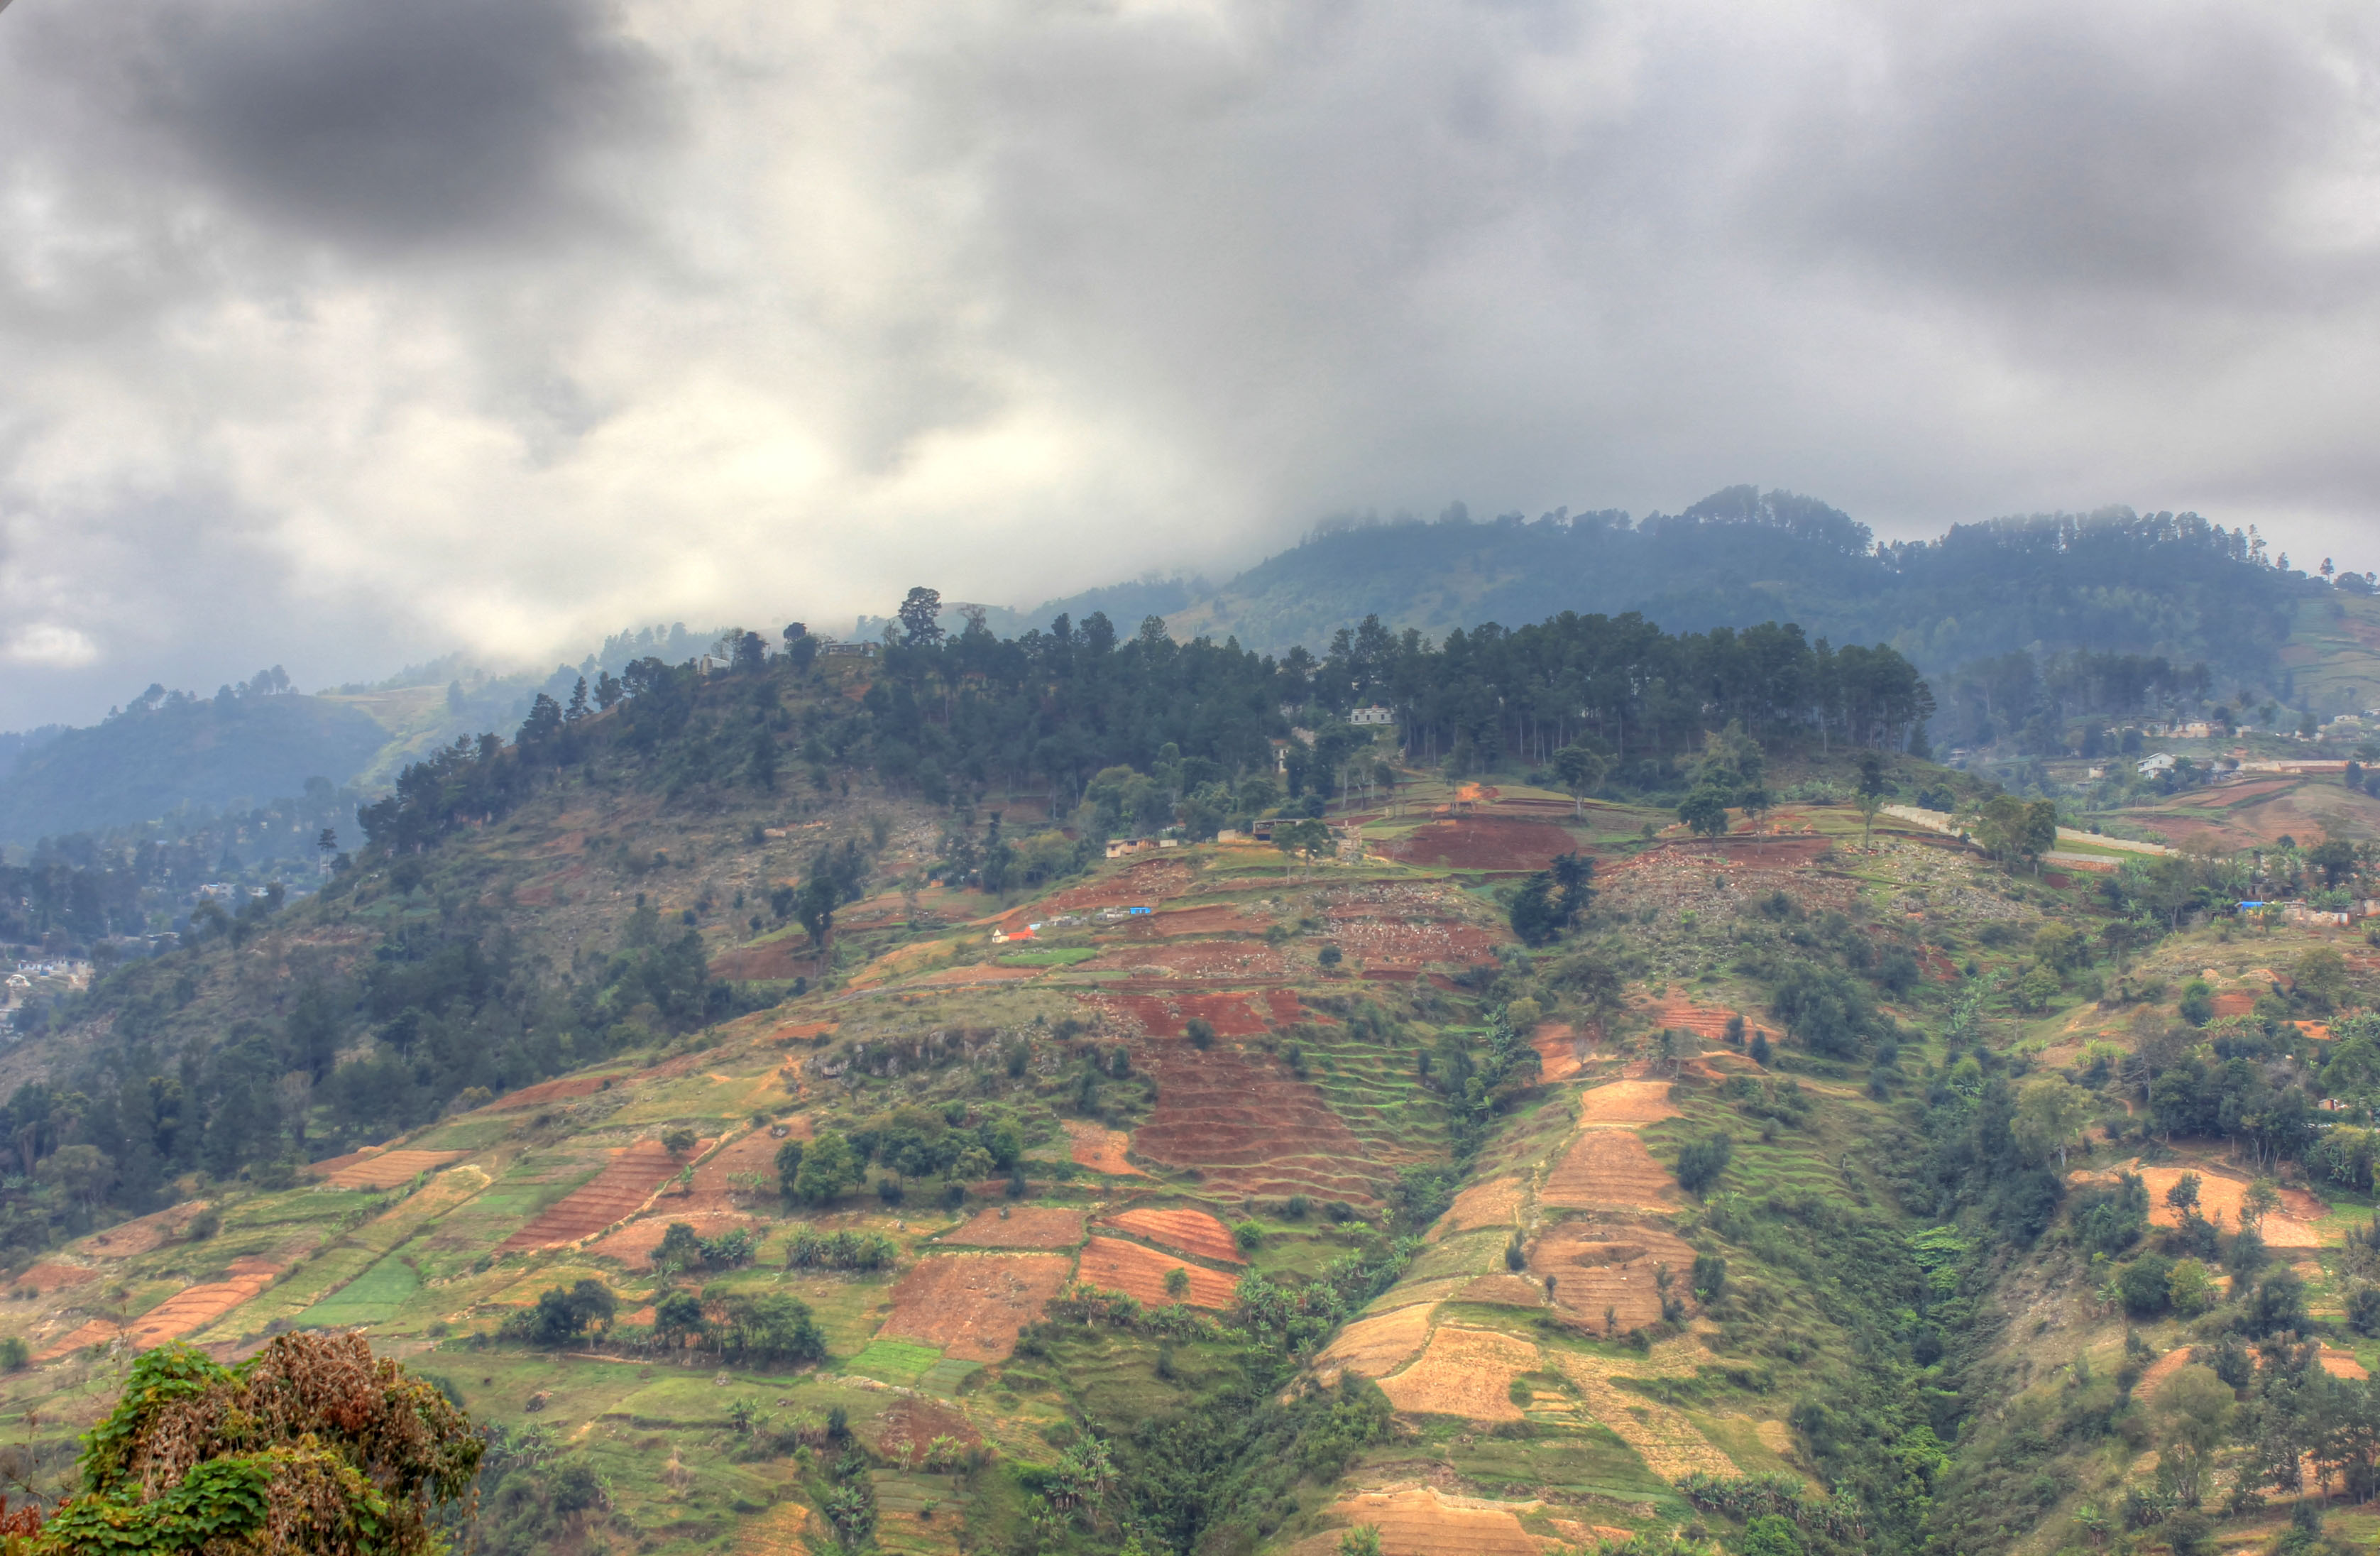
(2152, 766)
(1372, 717)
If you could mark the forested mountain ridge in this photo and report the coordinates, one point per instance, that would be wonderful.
(1619, 1130)
(2185, 611)
(2111, 581)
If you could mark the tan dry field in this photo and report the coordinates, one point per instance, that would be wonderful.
(1503, 1289)
(127, 1238)
(1660, 1436)
(787, 956)
(1707, 1022)
(1493, 1203)
(1190, 1231)
(783, 1530)
(2152, 1376)
(2342, 1364)
(754, 1155)
(1424, 1521)
(1626, 1102)
(381, 1169)
(551, 1091)
(971, 1305)
(1111, 1264)
(1598, 1265)
(633, 1173)
(1100, 1148)
(185, 1312)
(1375, 1346)
(2220, 1195)
(1463, 1371)
(1561, 1049)
(1608, 1168)
(1023, 1226)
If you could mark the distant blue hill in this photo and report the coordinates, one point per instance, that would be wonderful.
(162, 755)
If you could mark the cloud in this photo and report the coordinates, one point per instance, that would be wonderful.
(378, 126)
(45, 644)
(338, 335)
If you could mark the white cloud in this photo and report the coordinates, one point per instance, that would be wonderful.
(51, 647)
(331, 344)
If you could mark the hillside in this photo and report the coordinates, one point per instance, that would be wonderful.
(1219, 1197)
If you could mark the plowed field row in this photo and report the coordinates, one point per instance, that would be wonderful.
(186, 1312)
(1190, 1231)
(1608, 1168)
(613, 1193)
(1111, 1264)
(1251, 1128)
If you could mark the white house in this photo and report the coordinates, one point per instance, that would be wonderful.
(2161, 762)
(1374, 716)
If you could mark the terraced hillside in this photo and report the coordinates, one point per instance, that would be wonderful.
(1308, 1198)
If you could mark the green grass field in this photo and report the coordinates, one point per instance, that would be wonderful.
(372, 1297)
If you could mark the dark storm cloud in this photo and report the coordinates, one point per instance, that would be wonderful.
(2068, 148)
(374, 124)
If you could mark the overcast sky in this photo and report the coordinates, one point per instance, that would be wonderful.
(336, 333)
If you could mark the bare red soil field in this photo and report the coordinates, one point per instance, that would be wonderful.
(1190, 1231)
(1482, 843)
(1144, 884)
(634, 1244)
(971, 1305)
(1168, 1015)
(1024, 1226)
(615, 1192)
(1100, 1148)
(49, 1276)
(1251, 1128)
(1111, 1264)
